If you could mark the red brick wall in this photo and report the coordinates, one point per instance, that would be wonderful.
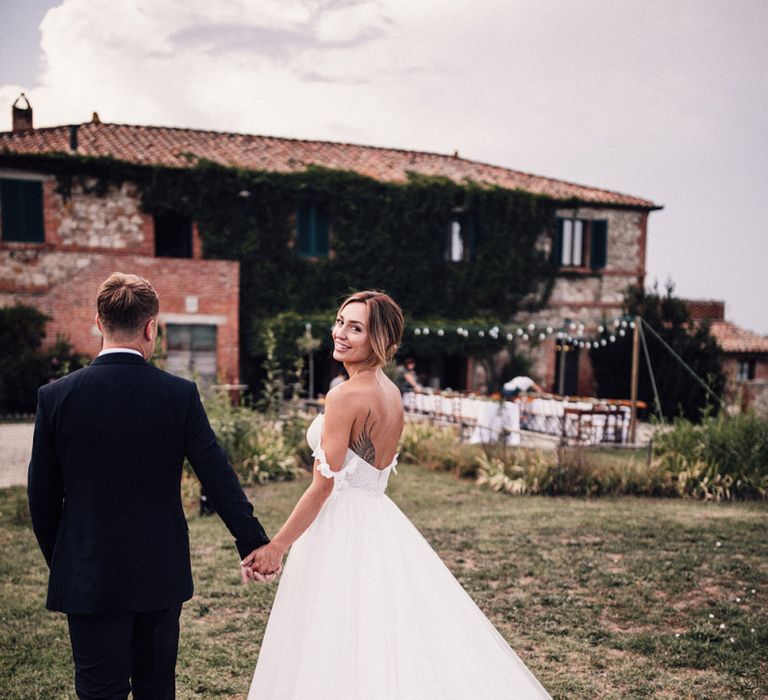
(61, 277)
(216, 284)
(706, 309)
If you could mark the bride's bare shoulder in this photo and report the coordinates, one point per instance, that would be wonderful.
(346, 395)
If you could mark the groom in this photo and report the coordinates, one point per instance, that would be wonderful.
(104, 496)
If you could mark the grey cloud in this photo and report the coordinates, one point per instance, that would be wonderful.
(279, 44)
(314, 77)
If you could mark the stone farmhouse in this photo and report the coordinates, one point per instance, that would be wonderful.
(56, 247)
(745, 357)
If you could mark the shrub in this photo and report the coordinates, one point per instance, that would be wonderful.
(260, 448)
(438, 448)
(723, 458)
(573, 472)
(23, 365)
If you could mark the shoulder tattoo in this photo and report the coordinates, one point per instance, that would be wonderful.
(363, 445)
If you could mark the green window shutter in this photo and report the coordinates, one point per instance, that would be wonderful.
(557, 245)
(470, 237)
(599, 245)
(311, 232)
(21, 208)
(320, 233)
(304, 231)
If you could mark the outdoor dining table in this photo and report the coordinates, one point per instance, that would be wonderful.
(492, 419)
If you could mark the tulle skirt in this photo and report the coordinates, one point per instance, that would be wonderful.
(366, 610)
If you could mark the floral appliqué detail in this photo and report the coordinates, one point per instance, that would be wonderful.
(325, 469)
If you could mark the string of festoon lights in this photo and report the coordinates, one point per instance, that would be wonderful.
(569, 334)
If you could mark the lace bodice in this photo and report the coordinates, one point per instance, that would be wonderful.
(356, 473)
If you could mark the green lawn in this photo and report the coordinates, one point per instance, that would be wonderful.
(608, 598)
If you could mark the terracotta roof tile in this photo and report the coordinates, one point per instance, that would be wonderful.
(733, 339)
(156, 145)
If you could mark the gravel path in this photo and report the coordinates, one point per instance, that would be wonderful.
(15, 448)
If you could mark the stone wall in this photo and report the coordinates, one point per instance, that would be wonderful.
(756, 395)
(589, 296)
(625, 262)
(112, 221)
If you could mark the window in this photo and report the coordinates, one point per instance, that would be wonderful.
(580, 243)
(746, 370)
(173, 235)
(311, 232)
(460, 241)
(191, 352)
(21, 210)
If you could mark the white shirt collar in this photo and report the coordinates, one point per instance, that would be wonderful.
(109, 351)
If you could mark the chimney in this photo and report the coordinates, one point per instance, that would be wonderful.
(22, 116)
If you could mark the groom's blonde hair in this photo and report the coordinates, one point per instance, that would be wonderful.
(125, 303)
(385, 324)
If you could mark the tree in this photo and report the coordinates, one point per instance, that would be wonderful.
(23, 365)
(679, 392)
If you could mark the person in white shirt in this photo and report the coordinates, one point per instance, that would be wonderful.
(519, 385)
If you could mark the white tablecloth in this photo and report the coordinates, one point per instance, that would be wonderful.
(492, 418)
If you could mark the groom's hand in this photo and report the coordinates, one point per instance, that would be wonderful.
(267, 559)
(263, 564)
(250, 574)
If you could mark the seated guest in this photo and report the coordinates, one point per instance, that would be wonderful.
(407, 380)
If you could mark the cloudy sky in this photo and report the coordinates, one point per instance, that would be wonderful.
(665, 99)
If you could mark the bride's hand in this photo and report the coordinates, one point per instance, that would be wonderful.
(267, 561)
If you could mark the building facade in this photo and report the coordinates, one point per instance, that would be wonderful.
(745, 357)
(59, 242)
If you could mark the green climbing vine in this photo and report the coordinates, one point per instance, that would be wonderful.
(390, 236)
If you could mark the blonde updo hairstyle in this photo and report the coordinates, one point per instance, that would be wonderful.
(385, 325)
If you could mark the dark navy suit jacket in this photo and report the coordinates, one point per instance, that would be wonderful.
(104, 486)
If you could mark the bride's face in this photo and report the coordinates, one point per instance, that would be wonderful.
(351, 342)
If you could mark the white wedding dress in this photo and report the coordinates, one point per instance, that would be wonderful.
(366, 610)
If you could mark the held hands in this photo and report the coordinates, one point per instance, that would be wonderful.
(263, 564)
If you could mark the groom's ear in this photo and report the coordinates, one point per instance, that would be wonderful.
(150, 328)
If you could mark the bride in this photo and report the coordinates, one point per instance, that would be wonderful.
(365, 609)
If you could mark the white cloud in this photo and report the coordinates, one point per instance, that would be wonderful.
(661, 100)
